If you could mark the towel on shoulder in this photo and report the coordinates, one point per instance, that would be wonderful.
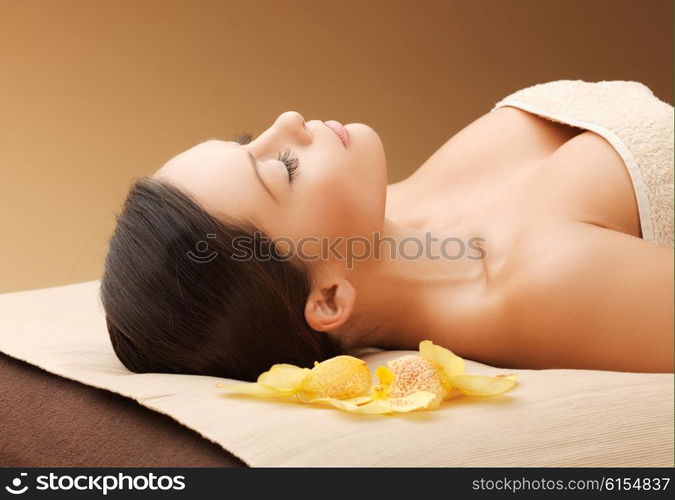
(634, 121)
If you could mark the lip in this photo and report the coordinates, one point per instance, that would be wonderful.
(340, 130)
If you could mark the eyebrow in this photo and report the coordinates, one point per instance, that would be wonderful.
(254, 164)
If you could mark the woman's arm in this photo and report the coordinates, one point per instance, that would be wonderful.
(599, 299)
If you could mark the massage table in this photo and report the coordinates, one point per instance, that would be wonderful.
(66, 400)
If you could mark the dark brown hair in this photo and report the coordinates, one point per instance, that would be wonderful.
(172, 306)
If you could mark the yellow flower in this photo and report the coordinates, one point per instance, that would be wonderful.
(450, 370)
(408, 383)
(341, 377)
(421, 382)
(383, 399)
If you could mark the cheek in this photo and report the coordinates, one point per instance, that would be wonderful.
(342, 206)
(332, 206)
(338, 200)
(323, 210)
(343, 202)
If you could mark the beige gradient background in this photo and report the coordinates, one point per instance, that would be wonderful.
(94, 94)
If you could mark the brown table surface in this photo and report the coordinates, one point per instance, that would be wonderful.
(51, 421)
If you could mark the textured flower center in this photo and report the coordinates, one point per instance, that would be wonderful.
(342, 377)
(413, 373)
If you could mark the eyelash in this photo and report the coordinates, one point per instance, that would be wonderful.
(288, 158)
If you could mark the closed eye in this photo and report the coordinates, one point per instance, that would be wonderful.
(287, 157)
(290, 161)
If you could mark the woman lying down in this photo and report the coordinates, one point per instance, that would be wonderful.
(519, 244)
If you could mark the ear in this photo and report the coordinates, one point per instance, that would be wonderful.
(329, 306)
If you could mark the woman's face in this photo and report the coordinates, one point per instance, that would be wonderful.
(334, 192)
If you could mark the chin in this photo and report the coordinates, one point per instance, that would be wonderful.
(375, 176)
(362, 134)
(364, 204)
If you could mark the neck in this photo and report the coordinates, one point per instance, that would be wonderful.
(416, 287)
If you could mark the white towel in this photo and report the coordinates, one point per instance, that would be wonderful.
(634, 121)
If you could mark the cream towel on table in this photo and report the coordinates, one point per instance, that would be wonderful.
(552, 418)
(634, 121)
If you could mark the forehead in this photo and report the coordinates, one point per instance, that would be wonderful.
(207, 154)
(216, 173)
(206, 163)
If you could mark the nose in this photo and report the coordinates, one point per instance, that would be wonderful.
(292, 120)
(289, 128)
(292, 117)
(291, 125)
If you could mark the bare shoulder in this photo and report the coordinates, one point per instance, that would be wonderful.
(503, 134)
(583, 296)
(493, 146)
(587, 180)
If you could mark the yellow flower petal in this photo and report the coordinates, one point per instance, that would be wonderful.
(450, 363)
(254, 389)
(284, 377)
(419, 400)
(480, 385)
(341, 377)
(363, 404)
